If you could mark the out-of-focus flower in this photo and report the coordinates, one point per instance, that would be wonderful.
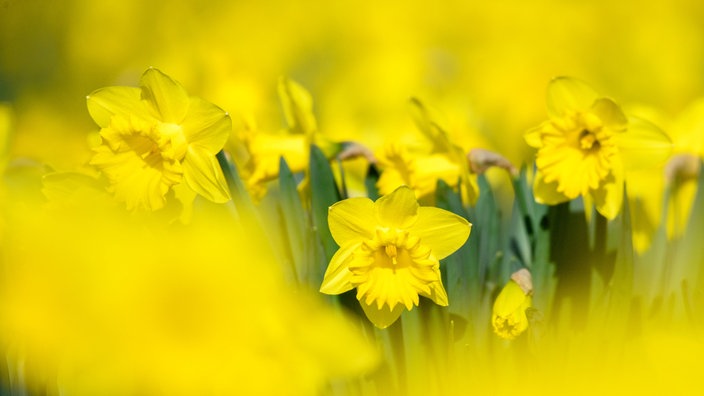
(586, 146)
(509, 318)
(155, 138)
(682, 170)
(263, 150)
(682, 177)
(104, 305)
(421, 170)
(390, 251)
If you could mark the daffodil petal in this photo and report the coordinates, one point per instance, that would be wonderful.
(643, 145)
(337, 276)
(509, 313)
(533, 136)
(426, 121)
(687, 131)
(398, 209)
(437, 294)
(207, 125)
(608, 198)
(352, 219)
(546, 193)
(169, 98)
(185, 196)
(510, 299)
(203, 174)
(106, 102)
(298, 107)
(384, 317)
(567, 94)
(610, 114)
(442, 231)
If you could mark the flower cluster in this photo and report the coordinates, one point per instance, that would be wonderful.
(306, 263)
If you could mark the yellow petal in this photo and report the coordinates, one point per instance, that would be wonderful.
(469, 189)
(643, 145)
(206, 125)
(267, 150)
(608, 198)
(203, 174)
(610, 114)
(398, 209)
(437, 294)
(106, 102)
(442, 231)
(426, 121)
(509, 314)
(384, 317)
(352, 219)
(546, 193)
(687, 131)
(429, 168)
(534, 136)
(298, 107)
(337, 276)
(510, 299)
(566, 94)
(186, 196)
(168, 97)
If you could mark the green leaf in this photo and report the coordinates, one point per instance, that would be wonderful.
(688, 257)
(239, 193)
(531, 227)
(324, 193)
(621, 282)
(294, 217)
(370, 180)
(460, 270)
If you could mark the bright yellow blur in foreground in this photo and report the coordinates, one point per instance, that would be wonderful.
(98, 301)
(102, 305)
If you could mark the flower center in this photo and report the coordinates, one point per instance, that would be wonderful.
(588, 140)
(173, 135)
(507, 327)
(577, 153)
(391, 252)
(146, 148)
(141, 159)
(393, 268)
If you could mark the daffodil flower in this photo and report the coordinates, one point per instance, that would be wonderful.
(509, 318)
(586, 146)
(421, 170)
(390, 251)
(264, 150)
(155, 138)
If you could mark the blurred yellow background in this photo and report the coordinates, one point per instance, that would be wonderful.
(483, 64)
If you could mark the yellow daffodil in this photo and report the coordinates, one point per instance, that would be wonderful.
(682, 171)
(420, 170)
(509, 318)
(155, 138)
(264, 150)
(586, 146)
(390, 251)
